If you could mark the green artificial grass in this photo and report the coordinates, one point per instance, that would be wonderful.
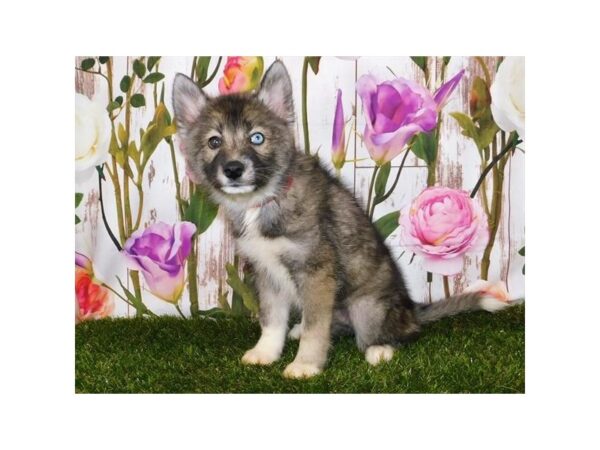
(477, 352)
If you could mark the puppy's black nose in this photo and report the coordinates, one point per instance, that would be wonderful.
(233, 169)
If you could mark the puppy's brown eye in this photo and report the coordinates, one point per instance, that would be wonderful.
(214, 142)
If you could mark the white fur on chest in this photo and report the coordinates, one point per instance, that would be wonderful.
(266, 253)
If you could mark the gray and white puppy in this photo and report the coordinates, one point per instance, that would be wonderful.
(311, 244)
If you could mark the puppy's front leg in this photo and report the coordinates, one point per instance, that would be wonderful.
(274, 313)
(318, 298)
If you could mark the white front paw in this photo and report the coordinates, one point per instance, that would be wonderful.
(301, 370)
(259, 356)
(376, 354)
(295, 332)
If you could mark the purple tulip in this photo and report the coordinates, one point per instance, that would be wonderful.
(442, 95)
(338, 142)
(159, 252)
(83, 262)
(397, 110)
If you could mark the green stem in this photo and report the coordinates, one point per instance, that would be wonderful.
(512, 143)
(192, 269)
(176, 176)
(371, 185)
(305, 106)
(104, 220)
(145, 310)
(496, 212)
(388, 193)
(180, 312)
(212, 76)
(138, 219)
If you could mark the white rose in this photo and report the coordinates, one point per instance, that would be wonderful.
(92, 136)
(508, 95)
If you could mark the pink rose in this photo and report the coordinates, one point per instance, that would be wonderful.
(442, 225)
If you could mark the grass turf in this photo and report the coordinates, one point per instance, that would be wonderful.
(477, 352)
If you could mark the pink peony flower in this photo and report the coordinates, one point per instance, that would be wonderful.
(159, 252)
(397, 110)
(442, 225)
(241, 74)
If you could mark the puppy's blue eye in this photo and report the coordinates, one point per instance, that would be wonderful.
(257, 138)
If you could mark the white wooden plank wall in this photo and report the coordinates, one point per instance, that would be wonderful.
(458, 167)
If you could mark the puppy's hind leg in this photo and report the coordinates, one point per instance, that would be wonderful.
(380, 324)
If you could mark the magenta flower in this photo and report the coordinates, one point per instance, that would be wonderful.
(442, 225)
(442, 95)
(83, 262)
(159, 252)
(397, 110)
(338, 142)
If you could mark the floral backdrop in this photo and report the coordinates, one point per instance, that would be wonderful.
(433, 147)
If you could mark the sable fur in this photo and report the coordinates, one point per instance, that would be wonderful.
(311, 244)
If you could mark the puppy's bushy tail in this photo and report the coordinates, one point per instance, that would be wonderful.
(459, 304)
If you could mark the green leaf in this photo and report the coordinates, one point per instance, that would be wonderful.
(112, 106)
(201, 210)
(381, 180)
(154, 77)
(103, 59)
(150, 140)
(115, 150)
(215, 313)
(87, 63)
(139, 68)
(420, 61)
(446, 60)
(387, 224)
(467, 125)
(78, 198)
(425, 147)
(313, 62)
(152, 60)
(135, 301)
(125, 83)
(77, 219)
(222, 300)
(119, 99)
(522, 251)
(201, 69)
(137, 100)
(122, 134)
(241, 289)
(486, 134)
(134, 153)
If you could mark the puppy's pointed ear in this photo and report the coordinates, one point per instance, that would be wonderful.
(188, 102)
(276, 91)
